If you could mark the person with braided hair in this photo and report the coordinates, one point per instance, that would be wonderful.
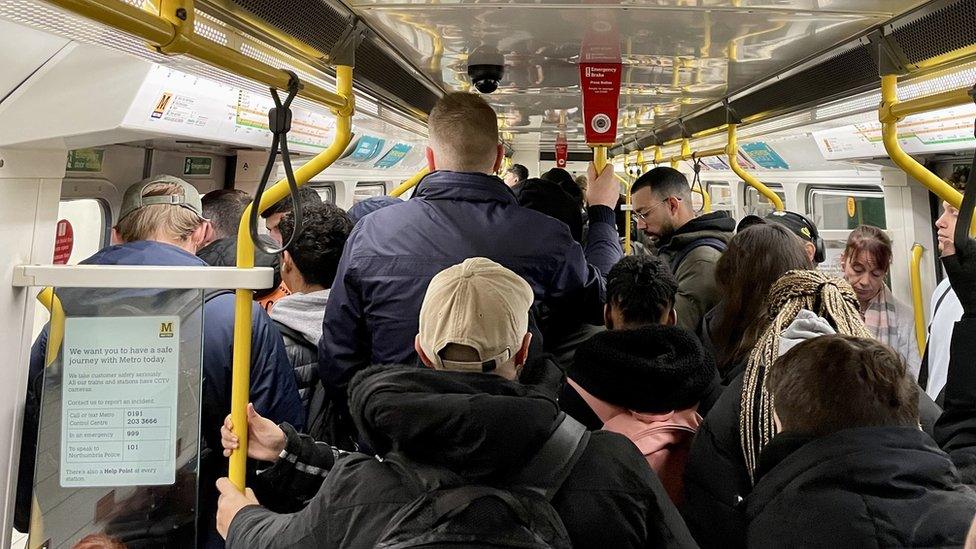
(720, 469)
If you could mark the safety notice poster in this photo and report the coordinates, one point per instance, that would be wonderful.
(119, 399)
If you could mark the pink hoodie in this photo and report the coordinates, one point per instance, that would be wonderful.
(663, 438)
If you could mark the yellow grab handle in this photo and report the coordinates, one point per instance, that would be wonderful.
(706, 199)
(55, 334)
(600, 159)
(732, 151)
(244, 299)
(410, 183)
(887, 115)
(915, 274)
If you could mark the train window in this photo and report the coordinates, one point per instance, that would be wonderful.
(757, 204)
(326, 192)
(89, 222)
(839, 209)
(368, 190)
(721, 195)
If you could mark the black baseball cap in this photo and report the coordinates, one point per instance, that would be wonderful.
(797, 224)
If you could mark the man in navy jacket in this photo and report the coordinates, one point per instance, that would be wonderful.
(458, 211)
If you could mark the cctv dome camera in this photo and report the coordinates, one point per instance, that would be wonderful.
(486, 77)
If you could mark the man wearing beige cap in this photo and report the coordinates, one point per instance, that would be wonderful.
(161, 223)
(475, 318)
(464, 420)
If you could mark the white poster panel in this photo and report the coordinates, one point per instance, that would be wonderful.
(119, 401)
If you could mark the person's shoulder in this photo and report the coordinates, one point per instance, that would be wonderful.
(611, 462)
(360, 479)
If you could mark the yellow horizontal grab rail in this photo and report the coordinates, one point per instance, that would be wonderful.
(718, 151)
(732, 151)
(55, 334)
(241, 374)
(891, 111)
(915, 274)
(170, 38)
(410, 183)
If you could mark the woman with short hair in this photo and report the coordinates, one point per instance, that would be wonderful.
(866, 262)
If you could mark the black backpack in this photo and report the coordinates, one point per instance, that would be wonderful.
(448, 512)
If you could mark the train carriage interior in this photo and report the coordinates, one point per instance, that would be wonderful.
(804, 105)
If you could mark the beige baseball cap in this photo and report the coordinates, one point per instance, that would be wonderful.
(480, 304)
(133, 198)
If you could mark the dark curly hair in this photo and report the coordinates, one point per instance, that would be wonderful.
(316, 251)
(642, 288)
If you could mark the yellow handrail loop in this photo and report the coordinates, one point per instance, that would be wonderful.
(892, 110)
(732, 150)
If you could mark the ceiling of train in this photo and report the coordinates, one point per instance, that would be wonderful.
(679, 56)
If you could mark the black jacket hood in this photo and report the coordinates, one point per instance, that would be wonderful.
(477, 425)
(716, 225)
(650, 369)
(223, 253)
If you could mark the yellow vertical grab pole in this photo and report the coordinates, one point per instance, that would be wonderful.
(732, 150)
(410, 183)
(241, 373)
(55, 334)
(915, 275)
(627, 216)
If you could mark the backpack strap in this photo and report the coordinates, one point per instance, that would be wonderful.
(553, 463)
(709, 241)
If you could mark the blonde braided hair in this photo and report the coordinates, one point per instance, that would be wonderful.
(830, 298)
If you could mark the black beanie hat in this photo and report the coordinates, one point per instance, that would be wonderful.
(549, 198)
(652, 369)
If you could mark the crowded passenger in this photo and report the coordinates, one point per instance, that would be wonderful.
(272, 216)
(724, 457)
(691, 245)
(849, 466)
(369, 205)
(645, 377)
(308, 267)
(866, 262)
(515, 176)
(799, 225)
(946, 310)
(567, 183)
(161, 223)
(449, 426)
(459, 210)
(756, 258)
(224, 208)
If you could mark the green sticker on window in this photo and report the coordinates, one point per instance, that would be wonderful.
(197, 165)
(85, 160)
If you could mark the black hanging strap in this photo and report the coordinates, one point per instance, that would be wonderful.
(696, 165)
(279, 122)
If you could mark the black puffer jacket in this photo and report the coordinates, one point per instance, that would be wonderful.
(861, 487)
(716, 478)
(480, 427)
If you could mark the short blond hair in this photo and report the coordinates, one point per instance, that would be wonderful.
(159, 221)
(464, 128)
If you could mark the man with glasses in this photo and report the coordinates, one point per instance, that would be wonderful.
(691, 245)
